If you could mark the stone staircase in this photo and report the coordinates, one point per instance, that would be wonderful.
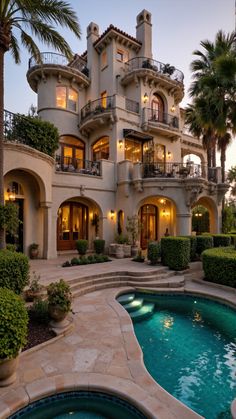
(162, 278)
(137, 308)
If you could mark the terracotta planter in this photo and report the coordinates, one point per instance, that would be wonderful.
(119, 251)
(34, 253)
(8, 371)
(32, 295)
(56, 313)
(127, 250)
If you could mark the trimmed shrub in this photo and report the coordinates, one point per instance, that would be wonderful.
(221, 240)
(154, 252)
(203, 243)
(14, 270)
(99, 246)
(74, 261)
(193, 247)
(82, 246)
(175, 252)
(233, 237)
(219, 265)
(13, 321)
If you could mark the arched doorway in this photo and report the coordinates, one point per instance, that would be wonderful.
(158, 108)
(72, 224)
(15, 195)
(200, 219)
(148, 217)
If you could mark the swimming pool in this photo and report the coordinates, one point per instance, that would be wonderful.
(79, 405)
(189, 347)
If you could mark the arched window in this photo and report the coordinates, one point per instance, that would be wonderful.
(158, 109)
(100, 149)
(72, 153)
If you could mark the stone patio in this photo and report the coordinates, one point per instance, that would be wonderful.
(100, 352)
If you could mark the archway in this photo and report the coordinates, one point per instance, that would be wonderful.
(206, 205)
(200, 219)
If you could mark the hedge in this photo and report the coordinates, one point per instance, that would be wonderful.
(203, 243)
(154, 252)
(193, 247)
(99, 246)
(221, 240)
(219, 265)
(14, 270)
(175, 252)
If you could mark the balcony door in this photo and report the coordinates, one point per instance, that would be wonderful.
(148, 216)
(72, 224)
(158, 109)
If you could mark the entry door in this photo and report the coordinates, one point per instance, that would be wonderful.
(149, 224)
(72, 224)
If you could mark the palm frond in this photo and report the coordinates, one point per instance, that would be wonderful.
(15, 50)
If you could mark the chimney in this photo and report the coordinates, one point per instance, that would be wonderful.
(144, 33)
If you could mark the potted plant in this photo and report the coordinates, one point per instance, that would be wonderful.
(59, 300)
(95, 223)
(13, 321)
(168, 69)
(133, 227)
(33, 250)
(35, 289)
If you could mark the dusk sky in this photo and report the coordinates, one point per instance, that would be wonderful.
(178, 27)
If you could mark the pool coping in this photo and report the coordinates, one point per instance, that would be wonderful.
(142, 391)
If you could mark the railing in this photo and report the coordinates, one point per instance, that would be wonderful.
(97, 107)
(153, 115)
(131, 105)
(85, 167)
(178, 170)
(156, 66)
(11, 127)
(58, 59)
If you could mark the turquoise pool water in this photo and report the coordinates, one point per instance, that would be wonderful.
(79, 405)
(189, 347)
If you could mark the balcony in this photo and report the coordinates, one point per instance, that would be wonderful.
(161, 123)
(73, 165)
(152, 71)
(96, 113)
(58, 64)
(177, 171)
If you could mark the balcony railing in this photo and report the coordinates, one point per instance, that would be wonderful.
(58, 59)
(97, 107)
(153, 115)
(73, 165)
(11, 124)
(156, 66)
(131, 105)
(178, 170)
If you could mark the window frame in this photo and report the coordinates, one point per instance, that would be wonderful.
(67, 100)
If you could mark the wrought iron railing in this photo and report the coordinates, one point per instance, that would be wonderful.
(178, 170)
(131, 105)
(156, 66)
(11, 125)
(58, 59)
(85, 167)
(153, 115)
(97, 107)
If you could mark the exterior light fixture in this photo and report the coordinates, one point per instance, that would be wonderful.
(169, 154)
(112, 212)
(145, 97)
(11, 195)
(120, 143)
(165, 213)
(172, 108)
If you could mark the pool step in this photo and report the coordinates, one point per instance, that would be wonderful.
(142, 313)
(134, 305)
(126, 298)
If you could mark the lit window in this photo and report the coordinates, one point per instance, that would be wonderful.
(66, 98)
(100, 149)
(122, 56)
(104, 59)
(104, 99)
(133, 150)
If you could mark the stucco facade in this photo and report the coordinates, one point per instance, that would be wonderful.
(122, 147)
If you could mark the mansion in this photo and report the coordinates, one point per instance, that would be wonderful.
(123, 148)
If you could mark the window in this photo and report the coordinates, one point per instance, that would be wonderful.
(122, 55)
(133, 150)
(104, 99)
(100, 149)
(72, 152)
(103, 59)
(159, 153)
(66, 98)
(158, 109)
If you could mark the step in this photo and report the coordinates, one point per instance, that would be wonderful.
(143, 313)
(126, 298)
(134, 305)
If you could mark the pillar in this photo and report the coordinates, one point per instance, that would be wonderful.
(184, 224)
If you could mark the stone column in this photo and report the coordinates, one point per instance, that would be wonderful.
(47, 229)
(184, 224)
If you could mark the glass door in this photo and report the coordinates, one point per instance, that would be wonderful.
(72, 224)
(149, 224)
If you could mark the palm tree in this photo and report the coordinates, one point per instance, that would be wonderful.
(20, 18)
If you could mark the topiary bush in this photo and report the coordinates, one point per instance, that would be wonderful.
(14, 270)
(219, 265)
(221, 240)
(99, 246)
(193, 247)
(203, 243)
(154, 252)
(13, 324)
(175, 252)
(82, 246)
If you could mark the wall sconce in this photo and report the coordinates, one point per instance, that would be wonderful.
(121, 142)
(11, 195)
(112, 214)
(172, 108)
(162, 201)
(165, 213)
(169, 155)
(145, 97)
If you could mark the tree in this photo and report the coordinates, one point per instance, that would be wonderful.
(38, 18)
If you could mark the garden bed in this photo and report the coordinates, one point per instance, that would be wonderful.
(37, 333)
